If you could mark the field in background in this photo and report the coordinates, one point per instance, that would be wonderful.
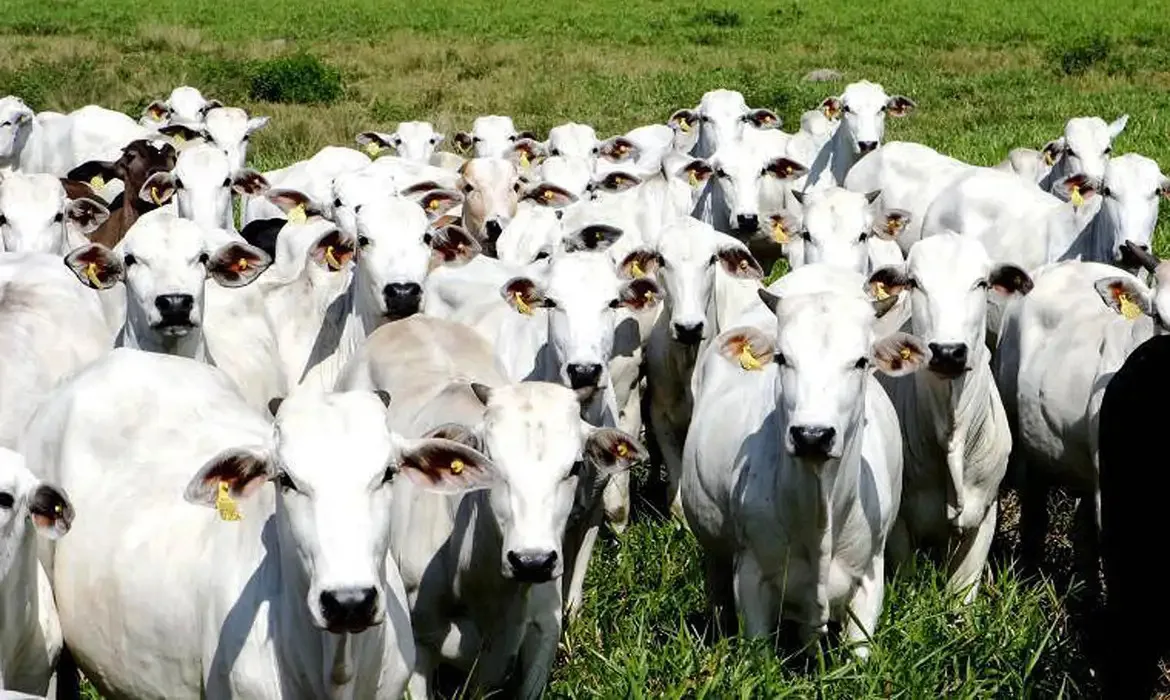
(987, 76)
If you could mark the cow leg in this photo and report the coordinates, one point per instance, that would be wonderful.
(575, 594)
(1033, 520)
(720, 584)
(899, 549)
(1087, 552)
(419, 687)
(67, 678)
(865, 608)
(970, 557)
(539, 648)
(755, 597)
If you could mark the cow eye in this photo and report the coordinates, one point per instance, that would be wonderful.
(981, 284)
(227, 182)
(476, 139)
(363, 241)
(846, 109)
(862, 237)
(337, 203)
(779, 359)
(204, 257)
(1105, 192)
(3, 219)
(516, 187)
(806, 235)
(7, 500)
(861, 363)
(720, 173)
(467, 188)
(512, 137)
(427, 238)
(549, 304)
(1108, 150)
(554, 152)
(59, 217)
(178, 184)
(614, 303)
(577, 468)
(129, 260)
(285, 482)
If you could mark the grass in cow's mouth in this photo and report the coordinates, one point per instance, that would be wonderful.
(986, 76)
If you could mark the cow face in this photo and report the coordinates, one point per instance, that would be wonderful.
(25, 501)
(1132, 190)
(740, 170)
(202, 184)
(491, 190)
(1084, 148)
(574, 141)
(15, 123)
(230, 129)
(334, 524)
(863, 108)
(36, 217)
(839, 228)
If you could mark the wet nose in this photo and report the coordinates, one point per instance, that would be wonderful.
(402, 299)
(175, 308)
(867, 146)
(948, 359)
(349, 609)
(583, 376)
(812, 440)
(493, 229)
(532, 567)
(688, 333)
(748, 223)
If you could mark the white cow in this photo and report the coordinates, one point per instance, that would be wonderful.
(30, 633)
(15, 121)
(722, 117)
(1085, 148)
(185, 106)
(955, 434)
(491, 136)
(748, 181)
(50, 327)
(573, 140)
(202, 184)
(256, 590)
(792, 469)
(862, 109)
(685, 262)
(313, 176)
(495, 603)
(36, 216)
(414, 141)
(841, 227)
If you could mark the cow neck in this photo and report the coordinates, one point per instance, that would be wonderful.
(1091, 236)
(19, 610)
(838, 154)
(136, 333)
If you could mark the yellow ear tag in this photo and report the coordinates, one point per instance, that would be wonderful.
(521, 306)
(893, 226)
(373, 149)
(179, 139)
(331, 259)
(684, 126)
(747, 360)
(622, 450)
(1048, 160)
(778, 233)
(905, 353)
(549, 195)
(879, 291)
(434, 204)
(1077, 199)
(58, 509)
(241, 264)
(154, 195)
(97, 182)
(649, 297)
(692, 178)
(636, 270)
(297, 214)
(457, 466)
(1129, 309)
(224, 505)
(523, 159)
(91, 275)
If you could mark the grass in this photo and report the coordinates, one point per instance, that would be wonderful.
(987, 76)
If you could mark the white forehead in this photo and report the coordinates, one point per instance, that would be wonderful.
(493, 125)
(360, 187)
(317, 432)
(864, 96)
(837, 212)
(748, 155)
(572, 132)
(824, 325)
(13, 473)
(717, 103)
(162, 235)
(947, 258)
(1081, 133)
(820, 278)
(186, 100)
(689, 241)
(21, 192)
(227, 124)
(392, 218)
(13, 105)
(486, 170)
(537, 419)
(202, 162)
(1134, 175)
(411, 131)
(567, 172)
(581, 275)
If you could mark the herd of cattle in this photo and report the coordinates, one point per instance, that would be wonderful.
(443, 363)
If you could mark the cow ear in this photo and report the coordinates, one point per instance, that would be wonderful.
(762, 119)
(1053, 150)
(181, 135)
(237, 264)
(887, 282)
(158, 189)
(899, 106)
(831, 107)
(747, 347)
(296, 205)
(547, 195)
(96, 172)
(256, 124)
(696, 172)
(372, 142)
(76, 189)
(640, 294)
(738, 262)
(890, 223)
(610, 450)
(483, 392)
(619, 149)
(640, 263)
(454, 246)
(525, 152)
(50, 510)
(274, 405)
(1009, 279)
(595, 237)
(333, 250)
(522, 295)
(1117, 126)
(899, 354)
(684, 120)
(157, 111)
(785, 169)
(96, 266)
(783, 226)
(769, 299)
(617, 182)
(1077, 189)
(444, 466)
(233, 473)
(455, 432)
(464, 140)
(249, 182)
(85, 215)
(437, 202)
(1126, 296)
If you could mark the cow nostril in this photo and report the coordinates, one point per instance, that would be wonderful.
(402, 299)
(688, 333)
(493, 229)
(535, 566)
(812, 440)
(174, 305)
(582, 376)
(402, 290)
(867, 146)
(948, 358)
(349, 609)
